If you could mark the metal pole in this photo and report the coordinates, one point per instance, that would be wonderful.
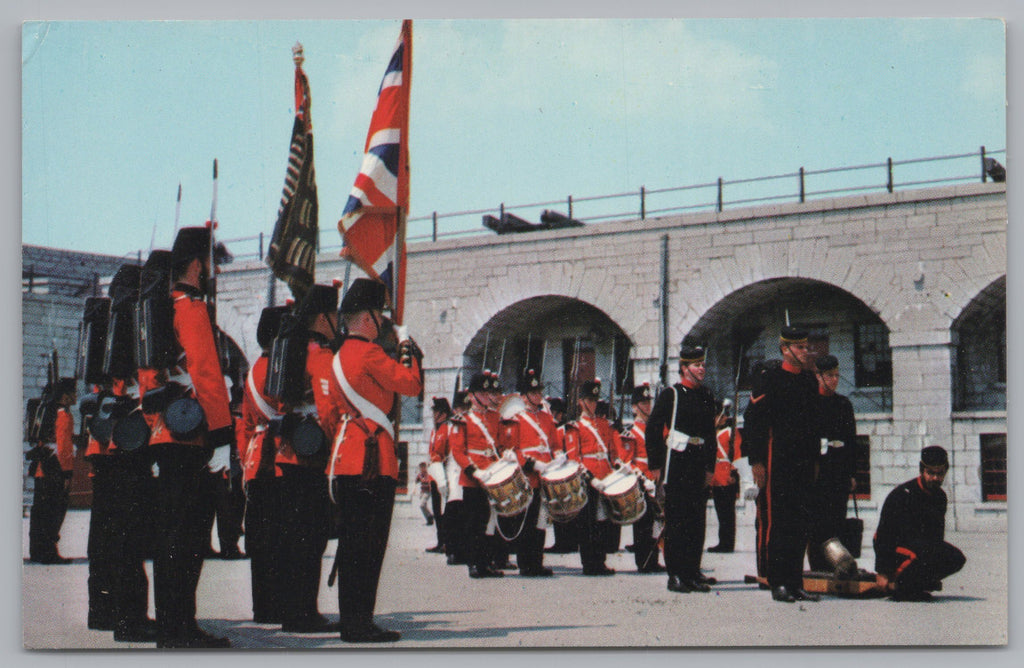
(889, 168)
(570, 206)
(663, 334)
(434, 219)
(261, 245)
(801, 185)
(643, 203)
(984, 174)
(720, 182)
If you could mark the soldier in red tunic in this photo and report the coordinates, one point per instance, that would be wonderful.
(474, 443)
(184, 458)
(52, 464)
(261, 478)
(532, 433)
(592, 441)
(363, 465)
(441, 411)
(645, 545)
(305, 513)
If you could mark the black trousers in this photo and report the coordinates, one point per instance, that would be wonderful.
(829, 513)
(181, 538)
(435, 504)
(724, 497)
(100, 548)
(784, 521)
(362, 514)
(304, 530)
(685, 525)
(49, 506)
(476, 513)
(230, 509)
(263, 545)
(523, 537)
(455, 544)
(925, 564)
(645, 543)
(566, 536)
(131, 531)
(592, 534)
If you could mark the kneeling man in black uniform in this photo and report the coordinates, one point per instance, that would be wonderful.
(911, 555)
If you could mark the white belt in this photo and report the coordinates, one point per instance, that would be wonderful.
(183, 378)
(537, 448)
(598, 455)
(723, 461)
(305, 410)
(479, 453)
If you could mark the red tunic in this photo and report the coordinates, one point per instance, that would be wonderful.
(251, 428)
(64, 437)
(639, 449)
(377, 379)
(439, 447)
(472, 447)
(724, 458)
(194, 333)
(597, 456)
(532, 442)
(318, 379)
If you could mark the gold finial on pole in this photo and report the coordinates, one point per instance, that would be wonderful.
(297, 56)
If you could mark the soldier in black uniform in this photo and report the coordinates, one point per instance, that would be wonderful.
(782, 441)
(686, 459)
(837, 464)
(911, 554)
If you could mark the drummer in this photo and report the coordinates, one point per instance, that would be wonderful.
(645, 546)
(592, 442)
(473, 440)
(531, 433)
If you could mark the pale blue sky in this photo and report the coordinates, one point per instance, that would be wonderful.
(116, 114)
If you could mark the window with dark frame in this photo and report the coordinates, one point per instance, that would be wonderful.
(993, 467)
(872, 360)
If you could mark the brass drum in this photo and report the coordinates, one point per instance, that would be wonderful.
(565, 493)
(624, 496)
(508, 488)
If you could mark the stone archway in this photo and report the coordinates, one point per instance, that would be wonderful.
(565, 339)
(979, 362)
(742, 330)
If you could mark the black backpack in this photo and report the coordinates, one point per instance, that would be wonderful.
(157, 347)
(119, 354)
(92, 340)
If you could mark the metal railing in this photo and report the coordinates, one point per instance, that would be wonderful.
(798, 186)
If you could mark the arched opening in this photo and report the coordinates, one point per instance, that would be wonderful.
(979, 365)
(566, 340)
(742, 331)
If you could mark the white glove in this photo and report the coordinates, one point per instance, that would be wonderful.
(649, 485)
(539, 467)
(509, 455)
(598, 484)
(483, 475)
(220, 460)
(751, 494)
(560, 458)
(402, 332)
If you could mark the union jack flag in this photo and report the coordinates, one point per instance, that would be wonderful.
(372, 224)
(292, 252)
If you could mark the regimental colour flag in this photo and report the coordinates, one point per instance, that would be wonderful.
(292, 252)
(372, 224)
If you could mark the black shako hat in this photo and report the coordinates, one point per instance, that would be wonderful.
(642, 393)
(934, 455)
(792, 335)
(269, 324)
(826, 363)
(318, 299)
(483, 382)
(194, 242)
(691, 354)
(124, 286)
(64, 386)
(364, 295)
(529, 382)
(440, 405)
(591, 389)
(461, 399)
(556, 404)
